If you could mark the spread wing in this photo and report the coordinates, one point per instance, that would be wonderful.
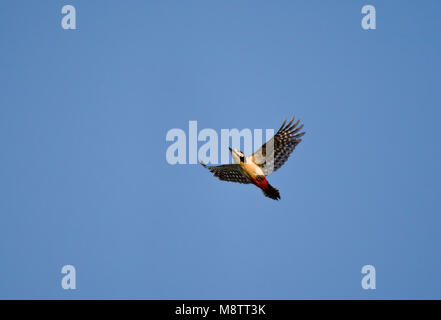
(228, 172)
(273, 154)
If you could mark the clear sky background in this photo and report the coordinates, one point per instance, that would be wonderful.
(83, 174)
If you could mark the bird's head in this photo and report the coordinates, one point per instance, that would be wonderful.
(237, 155)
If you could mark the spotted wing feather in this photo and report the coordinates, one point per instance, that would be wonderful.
(228, 172)
(273, 154)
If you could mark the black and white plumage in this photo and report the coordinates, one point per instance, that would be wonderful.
(228, 172)
(283, 144)
(269, 158)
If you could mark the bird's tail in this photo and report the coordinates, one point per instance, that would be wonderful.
(271, 192)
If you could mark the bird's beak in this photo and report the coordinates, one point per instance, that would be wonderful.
(231, 150)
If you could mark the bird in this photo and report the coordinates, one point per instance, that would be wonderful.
(254, 168)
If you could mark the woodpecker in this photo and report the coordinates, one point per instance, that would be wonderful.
(269, 158)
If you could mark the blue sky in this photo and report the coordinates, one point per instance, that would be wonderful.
(84, 179)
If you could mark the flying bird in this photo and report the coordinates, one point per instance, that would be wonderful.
(269, 158)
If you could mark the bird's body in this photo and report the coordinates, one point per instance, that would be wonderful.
(255, 174)
(251, 170)
(270, 157)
